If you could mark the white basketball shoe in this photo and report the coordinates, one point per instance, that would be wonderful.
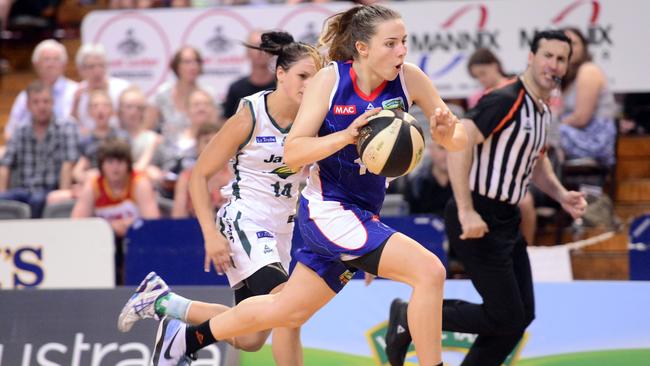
(141, 305)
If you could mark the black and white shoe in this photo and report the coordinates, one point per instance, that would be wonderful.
(398, 337)
(170, 346)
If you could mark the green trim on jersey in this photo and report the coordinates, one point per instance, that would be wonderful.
(275, 124)
(235, 183)
(250, 135)
(242, 236)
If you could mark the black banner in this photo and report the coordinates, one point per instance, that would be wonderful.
(78, 328)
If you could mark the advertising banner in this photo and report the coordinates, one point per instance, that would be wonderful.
(174, 248)
(581, 323)
(441, 37)
(79, 328)
(640, 248)
(56, 253)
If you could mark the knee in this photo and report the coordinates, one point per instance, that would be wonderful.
(430, 274)
(513, 322)
(250, 344)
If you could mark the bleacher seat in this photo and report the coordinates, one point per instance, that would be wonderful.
(14, 210)
(59, 210)
(165, 206)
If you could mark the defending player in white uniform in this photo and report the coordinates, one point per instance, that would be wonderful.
(251, 240)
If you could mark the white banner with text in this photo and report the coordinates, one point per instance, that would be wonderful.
(57, 253)
(441, 37)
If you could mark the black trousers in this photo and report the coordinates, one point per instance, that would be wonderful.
(499, 268)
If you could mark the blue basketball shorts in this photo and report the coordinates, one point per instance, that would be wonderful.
(334, 232)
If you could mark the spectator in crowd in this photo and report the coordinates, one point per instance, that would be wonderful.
(101, 110)
(144, 143)
(261, 77)
(131, 4)
(118, 194)
(49, 59)
(588, 128)
(91, 64)
(201, 109)
(485, 67)
(182, 203)
(40, 156)
(5, 8)
(428, 189)
(167, 111)
(636, 114)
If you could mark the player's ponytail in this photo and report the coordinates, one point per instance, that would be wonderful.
(343, 30)
(287, 50)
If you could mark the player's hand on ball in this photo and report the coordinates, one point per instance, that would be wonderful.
(217, 252)
(352, 132)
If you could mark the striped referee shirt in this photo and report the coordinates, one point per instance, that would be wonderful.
(514, 128)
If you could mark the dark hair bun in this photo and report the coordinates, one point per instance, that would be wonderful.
(273, 42)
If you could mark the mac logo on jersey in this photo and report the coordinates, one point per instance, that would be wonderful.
(345, 110)
(264, 139)
(283, 172)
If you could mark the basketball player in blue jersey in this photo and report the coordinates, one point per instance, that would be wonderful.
(339, 209)
(251, 242)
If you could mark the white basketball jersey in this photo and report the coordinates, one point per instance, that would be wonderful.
(264, 189)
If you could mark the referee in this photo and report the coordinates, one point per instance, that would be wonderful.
(507, 134)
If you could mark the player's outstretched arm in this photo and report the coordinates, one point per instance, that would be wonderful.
(223, 146)
(444, 126)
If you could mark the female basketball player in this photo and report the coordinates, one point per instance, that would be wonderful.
(339, 207)
(251, 242)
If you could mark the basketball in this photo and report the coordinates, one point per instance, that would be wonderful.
(391, 144)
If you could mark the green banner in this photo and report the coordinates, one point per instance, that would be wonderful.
(451, 341)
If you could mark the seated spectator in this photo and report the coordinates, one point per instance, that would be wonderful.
(101, 110)
(118, 194)
(182, 201)
(167, 111)
(485, 67)
(40, 156)
(261, 76)
(636, 114)
(587, 128)
(182, 152)
(91, 64)
(428, 188)
(132, 4)
(49, 60)
(144, 143)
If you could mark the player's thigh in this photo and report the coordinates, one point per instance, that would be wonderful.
(405, 260)
(305, 292)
